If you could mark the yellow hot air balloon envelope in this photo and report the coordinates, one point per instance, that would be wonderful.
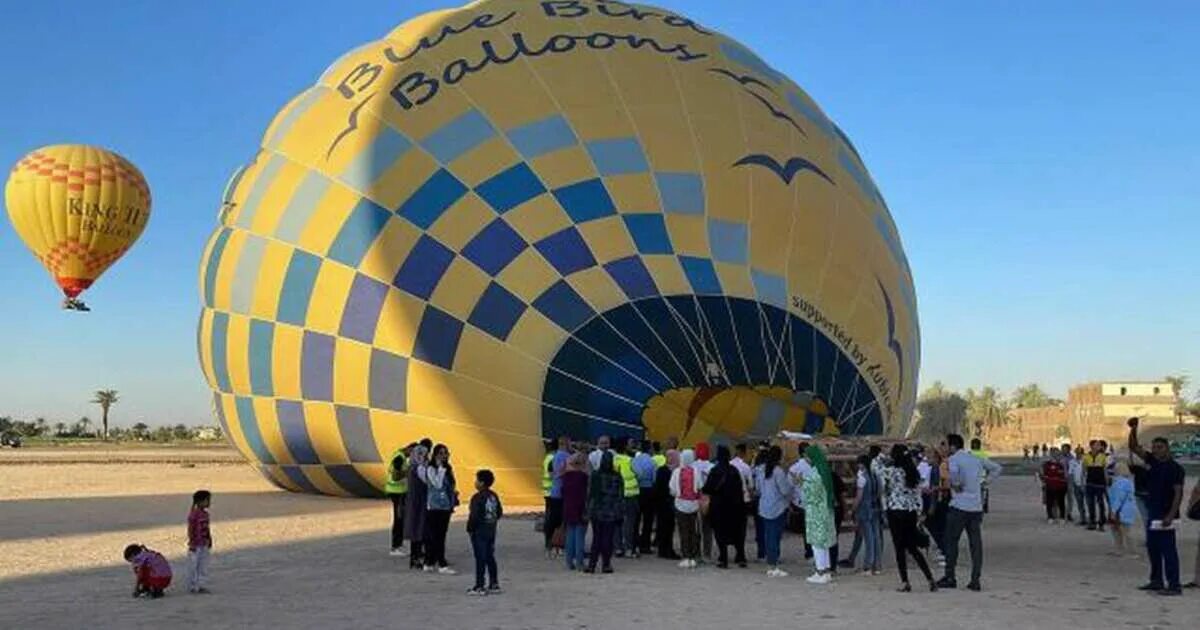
(78, 208)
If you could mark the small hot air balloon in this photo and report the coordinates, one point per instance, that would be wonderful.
(79, 208)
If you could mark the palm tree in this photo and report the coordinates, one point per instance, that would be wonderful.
(105, 398)
(1178, 383)
(59, 429)
(83, 427)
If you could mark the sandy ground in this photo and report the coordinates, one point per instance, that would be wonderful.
(306, 561)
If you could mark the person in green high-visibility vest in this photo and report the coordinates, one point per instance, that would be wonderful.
(627, 531)
(396, 488)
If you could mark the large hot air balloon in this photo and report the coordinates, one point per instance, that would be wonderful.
(518, 220)
(79, 208)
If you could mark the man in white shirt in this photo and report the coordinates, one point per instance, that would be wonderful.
(796, 475)
(602, 446)
(744, 470)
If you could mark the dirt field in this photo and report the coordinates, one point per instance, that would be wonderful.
(303, 561)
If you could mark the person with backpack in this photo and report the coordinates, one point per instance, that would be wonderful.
(868, 517)
(1054, 489)
(441, 501)
(606, 502)
(685, 487)
(483, 518)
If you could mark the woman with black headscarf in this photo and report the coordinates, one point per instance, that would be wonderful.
(727, 508)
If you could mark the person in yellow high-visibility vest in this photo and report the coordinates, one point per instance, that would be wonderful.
(553, 466)
(627, 532)
(396, 488)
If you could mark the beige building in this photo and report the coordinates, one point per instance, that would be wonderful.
(1092, 411)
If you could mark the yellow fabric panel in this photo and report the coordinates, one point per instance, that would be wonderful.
(839, 288)
(332, 210)
(488, 159)
(528, 275)
(331, 288)
(634, 193)
(487, 359)
(564, 167)
(204, 335)
(421, 122)
(743, 414)
(322, 481)
(268, 426)
(238, 341)
(307, 141)
(475, 401)
(667, 274)
(538, 218)
(388, 252)
(735, 280)
(223, 281)
(236, 436)
(285, 360)
(321, 420)
(597, 288)
(661, 133)
(392, 430)
(458, 225)
(351, 372)
(399, 182)
(535, 335)
(460, 288)
(794, 419)
(608, 238)
(375, 475)
(689, 235)
(276, 199)
(600, 123)
(271, 273)
(398, 322)
(644, 100)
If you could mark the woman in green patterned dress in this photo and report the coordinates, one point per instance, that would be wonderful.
(818, 513)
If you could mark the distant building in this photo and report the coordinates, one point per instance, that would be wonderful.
(208, 433)
(1093, 411)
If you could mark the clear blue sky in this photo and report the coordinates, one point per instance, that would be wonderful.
(1042, 161)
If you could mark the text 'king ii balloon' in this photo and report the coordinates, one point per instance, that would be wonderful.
(519, 220)
(78, 208)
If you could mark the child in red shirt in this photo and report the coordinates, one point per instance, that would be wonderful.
(151, 569)
(199, 542)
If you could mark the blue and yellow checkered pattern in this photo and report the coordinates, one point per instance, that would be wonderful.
(583, 241)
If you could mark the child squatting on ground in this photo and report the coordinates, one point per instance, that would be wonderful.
(199, 542)
(151, 569)
(485, 513)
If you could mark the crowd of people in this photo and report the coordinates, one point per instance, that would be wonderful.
(641, 499)
(1097, 490)
(695, 505)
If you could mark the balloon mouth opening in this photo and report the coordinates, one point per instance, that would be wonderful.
(72, 287)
